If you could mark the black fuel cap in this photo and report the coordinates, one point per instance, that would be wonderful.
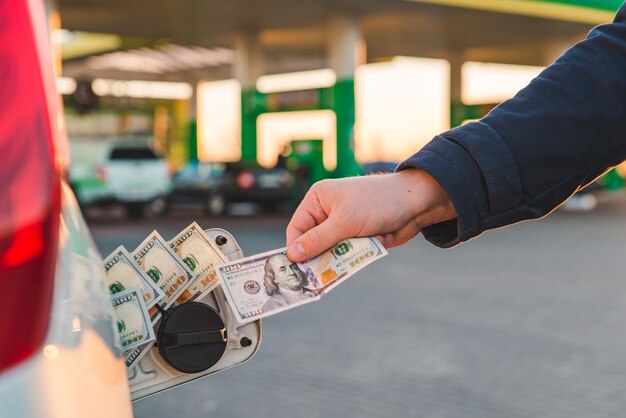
(192, 337)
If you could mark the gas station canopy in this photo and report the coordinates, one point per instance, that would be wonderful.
(508, 31)
(246, 39)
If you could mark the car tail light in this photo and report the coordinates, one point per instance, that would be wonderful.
(287, 179)
(29, 180)
(101, 173)
(245, 180)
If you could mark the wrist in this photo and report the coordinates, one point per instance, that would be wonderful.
(428, 200)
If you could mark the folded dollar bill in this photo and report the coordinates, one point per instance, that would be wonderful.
(201, 255)
(268, 283)
(123, 273)
(167, 270)
(133, 321)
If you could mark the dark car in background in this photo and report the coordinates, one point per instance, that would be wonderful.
(213, 186)
(270, 188)
(200, 184)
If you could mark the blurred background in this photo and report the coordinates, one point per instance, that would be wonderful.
(225, 112)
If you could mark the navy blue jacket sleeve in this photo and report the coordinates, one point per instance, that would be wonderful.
(532, 152)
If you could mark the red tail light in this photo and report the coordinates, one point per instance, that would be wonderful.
(101, 173)
(29, 180)
(245, 180)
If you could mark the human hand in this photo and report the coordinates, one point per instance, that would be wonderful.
(393, 207)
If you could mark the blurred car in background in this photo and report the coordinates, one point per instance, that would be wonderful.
(200, 184)
(138, 178)
(131, 173)
(213, 186)
(270, 188)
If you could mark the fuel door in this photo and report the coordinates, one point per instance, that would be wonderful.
(196, 339)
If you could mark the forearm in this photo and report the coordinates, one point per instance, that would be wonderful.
(533, 151)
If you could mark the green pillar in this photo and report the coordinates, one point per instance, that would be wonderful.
(343, 106)
(613, 181)
(457, 113)
(249, 113)
(192, 141)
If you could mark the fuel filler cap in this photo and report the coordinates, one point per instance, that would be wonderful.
(192, 337)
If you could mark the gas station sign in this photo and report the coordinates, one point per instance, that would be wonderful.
(293, 100)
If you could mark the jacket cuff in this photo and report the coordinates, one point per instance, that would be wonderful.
(457, 172)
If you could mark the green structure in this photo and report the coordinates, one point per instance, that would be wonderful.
(338, 98)
(611, 5)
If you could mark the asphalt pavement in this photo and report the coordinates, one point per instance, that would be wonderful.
(525, 321)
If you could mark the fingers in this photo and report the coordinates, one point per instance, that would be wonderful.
(401, 236)
(386, 239)
(308, 214)
(315, 241)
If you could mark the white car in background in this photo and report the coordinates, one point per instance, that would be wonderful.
(60, 356)
(123, 170)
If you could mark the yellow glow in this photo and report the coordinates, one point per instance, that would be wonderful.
(51, 352)
(76, 326)
(494, 83)
(142, 89)
(296, 81)
(555, 11)
(89, 377)
(66, 85)
(275, 130)
(54, 23)
(400, 106)
(219, 121)
(621, 169)
(86, 43)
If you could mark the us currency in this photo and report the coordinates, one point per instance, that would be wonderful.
(133, 321)
(122, 273)
(264, 284)
(201, 255)
(170, 274)
(334, 266)
(268, 283)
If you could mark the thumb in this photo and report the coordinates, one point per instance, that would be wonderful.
(315, 241)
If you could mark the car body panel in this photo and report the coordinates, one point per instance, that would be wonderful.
(79, 371)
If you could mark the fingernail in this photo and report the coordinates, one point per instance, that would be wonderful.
(296, 250)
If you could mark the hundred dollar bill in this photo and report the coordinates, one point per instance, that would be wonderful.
(133, 321)
(122, 273)
(268, 283)
(264, 284)
(201, 255)
(334, 266)
(169, 273)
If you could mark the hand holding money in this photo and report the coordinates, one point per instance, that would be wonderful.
(393, 207)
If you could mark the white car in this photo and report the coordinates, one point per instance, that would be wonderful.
(137, 177)
(126, 170)
(60, 354)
